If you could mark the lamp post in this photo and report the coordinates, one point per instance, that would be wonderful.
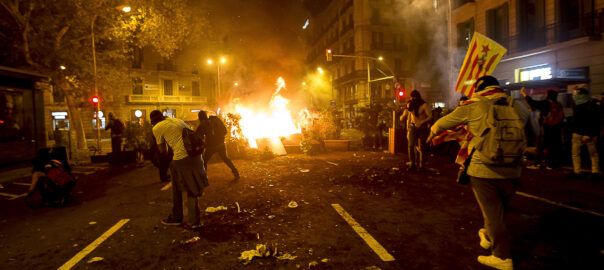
(125, 9)
(222, 61)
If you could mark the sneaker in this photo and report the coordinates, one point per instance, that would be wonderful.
(532, 167)
(484, 239)
(496, 263)
(171, 222)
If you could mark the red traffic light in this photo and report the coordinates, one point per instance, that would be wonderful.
(329, 55)
(401, 93)
(95, 100)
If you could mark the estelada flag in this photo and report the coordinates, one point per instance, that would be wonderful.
(481, 59)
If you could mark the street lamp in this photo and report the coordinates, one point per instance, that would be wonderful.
(125, 9)
(222, 61)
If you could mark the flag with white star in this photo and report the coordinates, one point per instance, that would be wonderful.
(481, 59)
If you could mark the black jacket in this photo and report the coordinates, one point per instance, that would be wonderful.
(586, 119)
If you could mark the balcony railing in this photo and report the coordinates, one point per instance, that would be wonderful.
(165, 99)
(588, 25)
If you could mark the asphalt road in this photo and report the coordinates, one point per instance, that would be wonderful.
(344, 199)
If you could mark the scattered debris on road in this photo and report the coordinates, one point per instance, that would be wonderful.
(238, 208)
(304, 170)
(287, 256)
(92, 222)
(332, 163)
(96, 259)
(192, 240)
(292, 204)
(313, 264)
(248, 255)
(215, 209)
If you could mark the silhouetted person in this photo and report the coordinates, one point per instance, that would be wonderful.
(549, 142)
(586, 128)
(213, 131)
(417, 116)
(117, 132)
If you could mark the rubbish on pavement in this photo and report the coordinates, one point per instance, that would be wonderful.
(304, 170)
(92, 222)
(75, 245)
(248, 255)
(287, 256)
(192, 240)
(310, 251)
(95, 259)
(395, 168)
(373, 267)
(215, 209)
(1, 186)
(271, 216)
(292, 204)
(238, 208)
(332, 163)
(325, 260)
(312, 264)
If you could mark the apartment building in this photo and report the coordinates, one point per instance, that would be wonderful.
(552, 44)
(359, 32)
(179, 87)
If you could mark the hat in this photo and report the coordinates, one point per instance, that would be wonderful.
(485, 81)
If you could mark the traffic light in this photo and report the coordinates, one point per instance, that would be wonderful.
(329, 55)
(95, 103)
(400, 94)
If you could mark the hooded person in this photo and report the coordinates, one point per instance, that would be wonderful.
(213, 131)
(188, 173)
(493, 185)
(585, 127)
(416, 116)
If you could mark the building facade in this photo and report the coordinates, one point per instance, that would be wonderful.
(552, 44)
(358, 33)
(178, 87)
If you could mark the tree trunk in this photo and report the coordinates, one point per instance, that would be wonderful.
(76, 120)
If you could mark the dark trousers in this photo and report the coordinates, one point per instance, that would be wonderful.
(493, 197)
(164, 168)
(192, 205)
(221, 150)
(116, 149)
(416, 145)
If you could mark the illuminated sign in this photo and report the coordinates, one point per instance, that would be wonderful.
(536, 73)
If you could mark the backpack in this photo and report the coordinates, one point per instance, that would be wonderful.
(57, 174)
(503, 139)
(218, 130)
(555, 114)
(192, 142)
(118, 127)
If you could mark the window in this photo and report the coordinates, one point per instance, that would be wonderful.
(137, 86)
(168, 87)
(195, 89)
(465, 30)
(137, 58)
(531, 24)
(497, 24)
(398, 65)
(377, 40)
(575, 19)
(459, 3)
(57, 95)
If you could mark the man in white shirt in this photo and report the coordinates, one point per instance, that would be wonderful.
(188, 173)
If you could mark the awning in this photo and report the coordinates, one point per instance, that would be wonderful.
(555, 83)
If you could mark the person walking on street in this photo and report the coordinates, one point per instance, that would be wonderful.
(117, 132)
(417, 116)
(188, 173)
(493, 181)
(213, 131)
(549, 141)
(585, 130)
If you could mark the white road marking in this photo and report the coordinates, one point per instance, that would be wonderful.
(373, 244)
(559, 204)
(12, 196)
(166, 187)
(78, 257)
(21, 184)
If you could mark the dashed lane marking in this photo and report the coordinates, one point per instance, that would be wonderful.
(78, 257)
(12, 196)
(373, 244)
(166, 187)
(559, 204)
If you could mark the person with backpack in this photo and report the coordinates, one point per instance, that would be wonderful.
(51, 177)
(188, 174)
(585, 127)
(495, 160)
(213, 131)
(549, 141)
(117, 132)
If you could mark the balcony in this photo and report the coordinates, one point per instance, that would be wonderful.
(588, 25)
(165, 99)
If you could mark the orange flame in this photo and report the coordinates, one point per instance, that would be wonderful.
(276, 121)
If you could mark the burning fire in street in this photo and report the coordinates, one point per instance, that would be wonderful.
(273, 122)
